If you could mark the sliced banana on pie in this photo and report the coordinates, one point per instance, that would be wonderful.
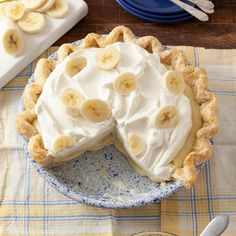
(63, 142)
(107, 59)
(32, 22)
(33, 4)
(75, 65)
(59, 9)
(167, 116)
(46, 6)
(11, 38)
(125, 83)
(95, 110)
(15, 10)
(174, 81)
(136, 143)
(72, 100)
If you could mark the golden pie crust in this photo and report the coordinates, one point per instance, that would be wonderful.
(195, 78)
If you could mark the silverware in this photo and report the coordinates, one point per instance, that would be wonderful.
(202, 6)
(216, 227)
(153, 234)
(205, 3)
(200, 15)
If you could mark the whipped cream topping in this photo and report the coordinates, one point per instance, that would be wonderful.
(130, 114)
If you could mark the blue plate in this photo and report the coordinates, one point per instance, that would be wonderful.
(152, 15)
(157, 6)
(152, 18)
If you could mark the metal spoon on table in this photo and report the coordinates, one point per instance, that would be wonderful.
(202, 4)
(200, 15)
(205, 3)
(215, 228)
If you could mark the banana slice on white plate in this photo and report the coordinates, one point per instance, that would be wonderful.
(59, 9)
(33, 4)
(136, 143)
(107, 59)
(75, 65)
(95, 110)
(167, 116)
(3, 9)
(63, 142)
(174, 81)
(15, 10)
(125, 83)
(11, 37)
(32, 22)
(46, 6)
(72, 100)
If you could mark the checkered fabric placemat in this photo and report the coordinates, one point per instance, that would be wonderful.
(29, 206)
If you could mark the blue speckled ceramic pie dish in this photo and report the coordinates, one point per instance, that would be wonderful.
(103, 178)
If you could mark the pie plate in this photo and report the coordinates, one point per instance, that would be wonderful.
(103, 178)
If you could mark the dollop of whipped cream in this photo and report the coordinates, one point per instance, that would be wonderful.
(130, 114)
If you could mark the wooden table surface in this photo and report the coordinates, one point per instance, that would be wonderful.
(104, 15)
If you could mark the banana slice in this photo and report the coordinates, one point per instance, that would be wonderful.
(33, 4)
(72, 100)
(125, 83)
(95, 110)
(75, 65)
(167, 116)
(11, 38)
(32, 22)
(46, 6)
(108, 58)
(174, 81)
(3, 10)
(63, 142)
(4, 1)
(15, 10)
(59, 9)
(136, 144)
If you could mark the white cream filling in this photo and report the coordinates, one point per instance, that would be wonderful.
(131, 113)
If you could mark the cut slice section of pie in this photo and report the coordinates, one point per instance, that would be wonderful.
(118, 89)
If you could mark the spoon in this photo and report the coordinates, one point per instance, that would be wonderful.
(200, 15)
(205, 3)
(215, 228)
(202, 6)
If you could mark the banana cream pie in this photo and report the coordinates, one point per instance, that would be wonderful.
(149, 102)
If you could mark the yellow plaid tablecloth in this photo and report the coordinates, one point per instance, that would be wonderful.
(29, 206)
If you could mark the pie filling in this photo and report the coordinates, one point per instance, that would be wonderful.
(120, 94)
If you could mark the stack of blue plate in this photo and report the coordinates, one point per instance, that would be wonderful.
(162, 11)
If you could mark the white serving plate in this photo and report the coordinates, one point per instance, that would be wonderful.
(36, 44)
